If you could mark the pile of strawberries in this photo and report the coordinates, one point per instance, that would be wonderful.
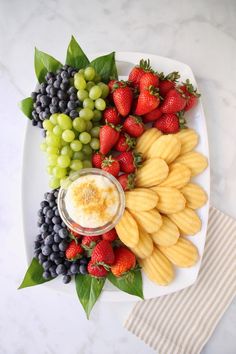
(106, 253)
(147, 97)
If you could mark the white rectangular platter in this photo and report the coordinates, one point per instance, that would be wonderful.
(35, 184)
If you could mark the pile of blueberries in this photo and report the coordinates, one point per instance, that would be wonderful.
(52, 241)
(55, 95)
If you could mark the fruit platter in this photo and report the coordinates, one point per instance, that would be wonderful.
(115, 183)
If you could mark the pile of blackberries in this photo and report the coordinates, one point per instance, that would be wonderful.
(56, 95)
(52, 241)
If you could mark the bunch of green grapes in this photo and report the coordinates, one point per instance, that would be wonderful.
(69, 144)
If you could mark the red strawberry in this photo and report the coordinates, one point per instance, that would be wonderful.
(97, 159)
(125, 143)
(134, 104)
(174, 101)
(74, 250)
(153, 115)
(129, 161)
(148, 79)
(109, 136)
(96, 270)
(168, 82)
(138, 71)
(133, 126)
(103, 253)
(123, 97)
(111, 116)
(191, 94)
(110, 165)
(90, 241)
(170, 123)
(110, 235)
(124, 261)
(148, 100)
(127, 181)
(110, 84)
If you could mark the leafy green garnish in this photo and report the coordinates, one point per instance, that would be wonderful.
(105, 66)
(44, 63)
(26, 105)
(131, 282)
(75, 56)
(34, 275)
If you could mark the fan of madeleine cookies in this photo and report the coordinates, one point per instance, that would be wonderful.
(161, 210)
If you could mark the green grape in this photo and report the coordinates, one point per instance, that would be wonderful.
(43, 146)
(97, 115)
(66, 150)
(48, 125)
(89, 73)
(76, 165)
(100, 104)
(95, 92)
(85, 138)
(52, 159)
(63, 143)
(105, 89)
(78, 155)
(95, 144)
(88, 102)
(97, 78)
(54, 183)
(59, 172)
(79, 124)
(86, 113)
(89, 85)
(52, 150)
(57, 130)
(87, 150)
(53, 118)
(89, 125)
(81, 71)
(64, 121)
(82, 95)
(76, 145)
(87, 164)
(53, 140)
(63, 161)
(95, 132)
(50, 169)
(80, 83)
(68, 135)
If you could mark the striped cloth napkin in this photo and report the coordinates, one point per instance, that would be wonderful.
(181, 323)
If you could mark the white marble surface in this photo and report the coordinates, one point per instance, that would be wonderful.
(200, 33)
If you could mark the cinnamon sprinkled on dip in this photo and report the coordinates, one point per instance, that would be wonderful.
(92, 201)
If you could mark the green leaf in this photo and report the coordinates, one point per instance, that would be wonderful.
(130, 283)
(75, 56)
(105, 66)
(44, 63)
(26, 106)
(34, 275)
(88, 290)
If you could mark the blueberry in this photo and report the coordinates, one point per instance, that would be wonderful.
(55, 101)
(60, 269)
(42, 258)
(54, 208)
(53, 91)
(74, 114)
(52, 268)
(55, 247)
(45, 234)
(52, 203)
(53, 256)
(83, 260)
(51, 81)
(41, 219)
(64, 86)
(56, 228)
(44, 227)
(74, 268)
(53, 274)
(69, 272)
(67, 263)
(57, 84)
(46, 208)
(49, 197)
(61, 95)
(37, 253)
(71, 105)
(64, 75)
(73, 72)
(46, 265)
(50, 214)
(38, 237)
(61, 254)
(34, 95)
(66, 279)
(73, 97)
(57, 238)
(56, 194)
(63, 245)
(56, 212)
(42, 87)
(67, 111)
(46, 250)
(53, 109)
(58, 260)
(37, 244)
(49, 75)
(56, 220)
(83, 269)
(34, 122)
(48, 221)
(46, 275)
(45, 100)
(50, 228)
(47, 110)
(72, 90)
(43, 204)
(63, 224)
(63, 233)
(49, 240)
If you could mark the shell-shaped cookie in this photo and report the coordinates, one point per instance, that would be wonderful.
(144, 247)
(195, 161)
(183, 254)
(158, 268)
(189, 140)
(127, 230)
(179, 175)
(195, 196)
(167, 147)
(153, 172)
(141, 199)
(170, 201)
(168, 233)
(150, 220)
(145, 141)
(187, 221)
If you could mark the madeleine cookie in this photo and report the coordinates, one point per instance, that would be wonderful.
(167, 147)
(145, 141)
(195, 161)
(187, 221)
(141, 199)
(195, 196)
(179, 175)
(150, 220)
(170, 201)
(127, 230)
(189, 140)
(144, 247)
(152, 172)
(168, 233)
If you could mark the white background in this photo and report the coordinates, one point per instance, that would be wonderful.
(200, 33)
